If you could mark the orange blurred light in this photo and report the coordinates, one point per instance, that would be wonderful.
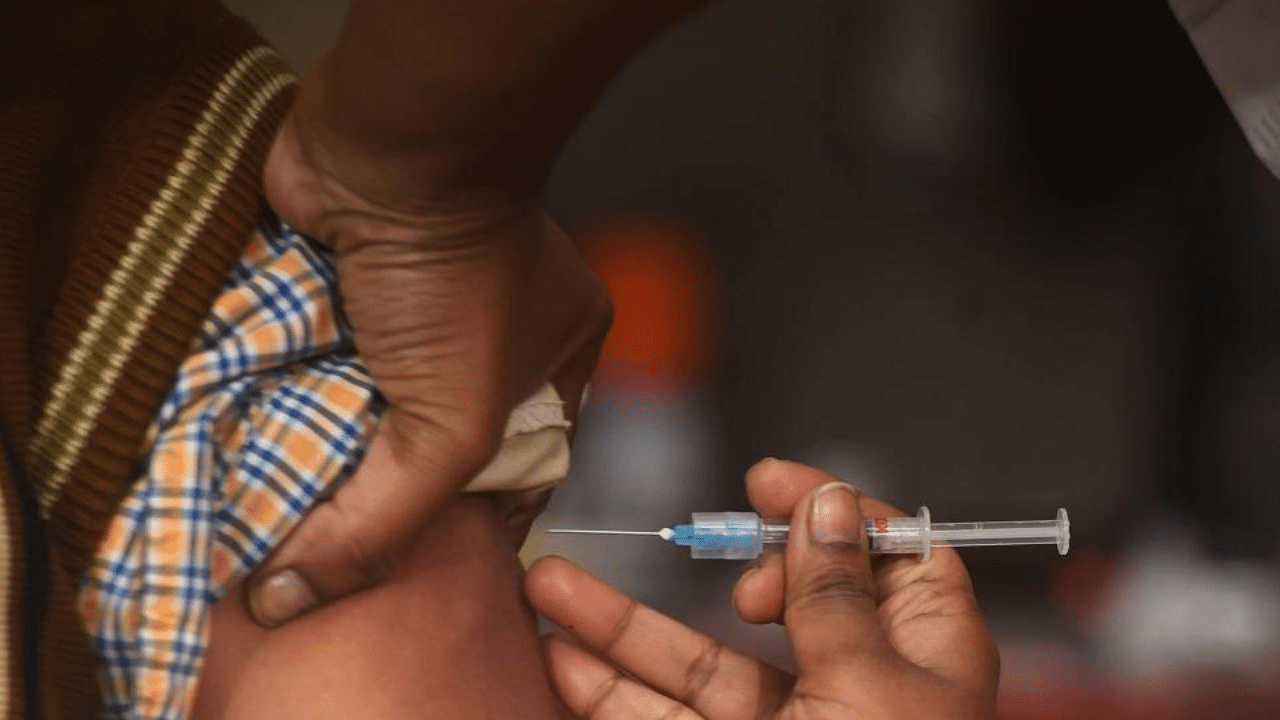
(665, 287)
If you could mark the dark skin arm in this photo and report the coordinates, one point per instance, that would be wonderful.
(417, 149)
(468, 97)
(444, 634)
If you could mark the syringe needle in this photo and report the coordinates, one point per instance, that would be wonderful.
(607, 532)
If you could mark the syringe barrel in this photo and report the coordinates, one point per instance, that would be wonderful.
(743, 535)
(901, 535)
(1006, 532)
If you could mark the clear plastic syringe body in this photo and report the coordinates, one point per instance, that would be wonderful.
(744, 535)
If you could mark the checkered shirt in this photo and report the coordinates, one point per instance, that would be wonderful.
(271, 408)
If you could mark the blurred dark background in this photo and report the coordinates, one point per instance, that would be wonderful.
(991, 256)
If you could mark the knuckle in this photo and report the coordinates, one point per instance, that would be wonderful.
(363, 547)
(368, 560)
(835, 585)
(620, 627)
(458, 442)
(601, 695)
(701, 671)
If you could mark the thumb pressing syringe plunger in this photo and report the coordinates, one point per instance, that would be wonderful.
(743, 535)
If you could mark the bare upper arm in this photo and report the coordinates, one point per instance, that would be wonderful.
(446, 635)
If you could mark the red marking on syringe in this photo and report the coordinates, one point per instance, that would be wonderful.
(879, 531)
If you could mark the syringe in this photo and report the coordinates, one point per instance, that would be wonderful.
(744, 535)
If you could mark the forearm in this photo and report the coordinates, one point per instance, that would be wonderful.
(475, 92)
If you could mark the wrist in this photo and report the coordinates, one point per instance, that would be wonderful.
(418, 172)
(331, 183)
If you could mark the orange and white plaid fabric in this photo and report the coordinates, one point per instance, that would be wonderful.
(271, 408)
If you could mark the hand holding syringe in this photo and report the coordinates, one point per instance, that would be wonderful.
(895, 639)
(743, 535)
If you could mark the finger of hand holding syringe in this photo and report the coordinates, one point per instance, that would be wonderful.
(904, 640)
(775, 488)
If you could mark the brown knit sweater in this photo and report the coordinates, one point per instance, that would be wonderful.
(132, 135)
